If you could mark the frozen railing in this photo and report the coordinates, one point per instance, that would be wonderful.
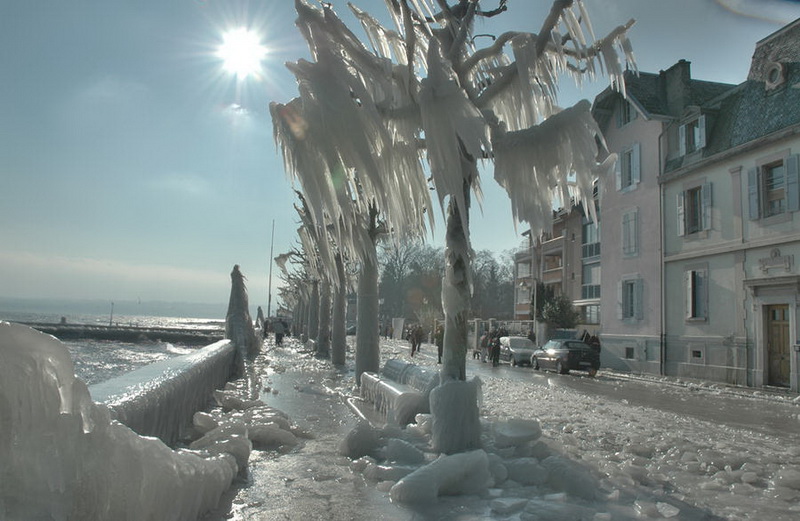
(159, 399)
(400, 392)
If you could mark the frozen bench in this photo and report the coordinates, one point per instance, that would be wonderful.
(400, 392)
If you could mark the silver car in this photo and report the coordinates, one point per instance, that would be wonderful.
(516, 349)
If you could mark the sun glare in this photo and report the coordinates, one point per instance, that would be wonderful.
(241, 52)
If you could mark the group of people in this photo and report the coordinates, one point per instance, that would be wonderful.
(490, 346)
(416, 335)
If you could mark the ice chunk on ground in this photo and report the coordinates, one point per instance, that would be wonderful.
(515, 432)
(462, 473)
(403, 452)
(570, 477)
(508, 505)
(270, 435)
(204, 422)
(788, 478)
(527, 471)
(362, 440)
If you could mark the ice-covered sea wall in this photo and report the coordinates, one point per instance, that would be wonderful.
(62, 457)
(159, 399)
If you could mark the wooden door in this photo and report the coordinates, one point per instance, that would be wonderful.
(778, 347)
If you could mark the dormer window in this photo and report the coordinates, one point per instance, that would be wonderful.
(692, 135)
(625, 113)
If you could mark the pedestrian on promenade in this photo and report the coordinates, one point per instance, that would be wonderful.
(439, 338)
(279, 332)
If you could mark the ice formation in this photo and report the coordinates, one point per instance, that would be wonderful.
(160, 398)
(61, 454)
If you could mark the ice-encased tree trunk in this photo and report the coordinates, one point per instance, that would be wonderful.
(323, 344)
(312, 322)
(339, 326)
(367, 333)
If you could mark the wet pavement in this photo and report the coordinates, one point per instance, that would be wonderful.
(313, 482)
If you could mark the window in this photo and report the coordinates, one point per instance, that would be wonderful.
(692, 135)
(630, 232)
(590, 242)
(694, 209)
(523, 294)
(696, 294)
(630, 353)
(630, 299)
(773, 187)
(591, 314)
(625, 113)
(590, 283)
(628, 167)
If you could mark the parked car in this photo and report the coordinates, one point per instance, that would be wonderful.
(516, 349)
(563, 355)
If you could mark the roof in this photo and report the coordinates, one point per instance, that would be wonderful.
(649, 93)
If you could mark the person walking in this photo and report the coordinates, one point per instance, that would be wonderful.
(280, 330)
(439, 339)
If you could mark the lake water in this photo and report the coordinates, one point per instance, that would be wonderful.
(99, 360)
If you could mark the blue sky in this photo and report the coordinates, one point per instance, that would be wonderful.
(133, 166)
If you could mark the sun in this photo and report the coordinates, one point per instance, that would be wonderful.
(241, 52)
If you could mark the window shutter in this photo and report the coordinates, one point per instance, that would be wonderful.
(620, 301)
(626, 243)
(635, 232)
(681, 215)
(688, 283)
(701, 126)
(682, 140)
(752, 193)
(792, 183)
(636, 164)
(705, 198)
(701, 283)
(618, 169)
(638, 304)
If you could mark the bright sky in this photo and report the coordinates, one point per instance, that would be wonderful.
(135, 164)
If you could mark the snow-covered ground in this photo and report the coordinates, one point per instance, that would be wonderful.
(647, 463)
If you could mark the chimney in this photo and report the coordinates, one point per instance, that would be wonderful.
(675, 82)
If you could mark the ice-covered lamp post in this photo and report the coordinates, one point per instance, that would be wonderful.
(428, 80)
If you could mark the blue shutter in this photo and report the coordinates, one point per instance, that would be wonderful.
(681, 215)
(705, 200)
(753, 193)
(636, 164)
(638, 299)
(792, 184)
(701, 126)
(682, 140)
(618, 169)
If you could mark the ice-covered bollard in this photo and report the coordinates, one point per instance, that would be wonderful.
(456, 422)
(462, 473)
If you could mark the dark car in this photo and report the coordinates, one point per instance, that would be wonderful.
(563, 355)
(516, 350)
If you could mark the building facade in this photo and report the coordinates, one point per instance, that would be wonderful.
(731, 202)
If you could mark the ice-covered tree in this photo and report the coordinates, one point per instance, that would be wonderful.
(426, 86)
